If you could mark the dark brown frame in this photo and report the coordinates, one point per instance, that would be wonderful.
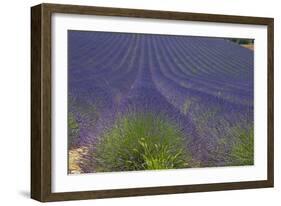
(41, 101)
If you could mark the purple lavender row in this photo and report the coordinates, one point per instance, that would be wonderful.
(195, 67)
(187, 81)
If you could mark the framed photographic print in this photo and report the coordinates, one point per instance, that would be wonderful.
(130, 102)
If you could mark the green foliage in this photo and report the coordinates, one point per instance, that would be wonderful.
(242, 152)
(159, 156)
(73, 129)
(141, 142)
(237, 148)
(242, 41)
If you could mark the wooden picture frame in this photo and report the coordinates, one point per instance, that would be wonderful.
(41, 96)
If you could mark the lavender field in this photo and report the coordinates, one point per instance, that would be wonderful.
(143, 101)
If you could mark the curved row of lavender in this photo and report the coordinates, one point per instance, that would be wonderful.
(204, 84)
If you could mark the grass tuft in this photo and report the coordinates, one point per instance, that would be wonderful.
(73, 129)
(141, 142)
(242, 152)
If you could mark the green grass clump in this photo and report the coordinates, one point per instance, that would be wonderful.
(73, 129)
(141, 142)
(242, 152)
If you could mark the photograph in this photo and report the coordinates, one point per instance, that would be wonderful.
(138, 101)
